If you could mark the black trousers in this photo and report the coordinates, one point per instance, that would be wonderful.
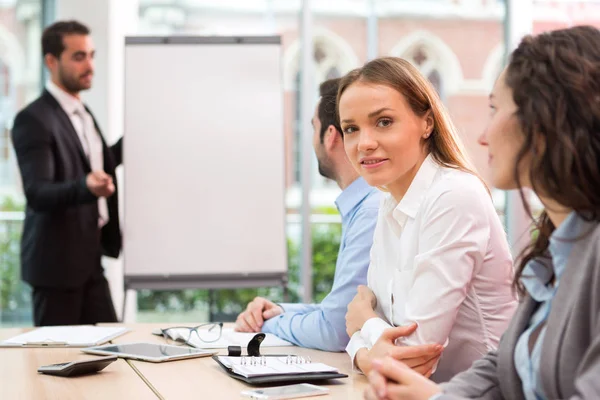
(88, 304)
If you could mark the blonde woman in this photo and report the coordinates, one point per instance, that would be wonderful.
(543, 134)
(440, 260)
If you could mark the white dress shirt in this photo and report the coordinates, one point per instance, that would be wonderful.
(91, 142)
(440, 258)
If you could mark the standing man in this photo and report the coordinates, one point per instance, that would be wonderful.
(69, 180)
(323, 326)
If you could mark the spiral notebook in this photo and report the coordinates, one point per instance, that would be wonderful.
(276, 369)
(260, 366)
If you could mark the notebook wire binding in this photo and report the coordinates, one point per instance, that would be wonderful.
(262, 360)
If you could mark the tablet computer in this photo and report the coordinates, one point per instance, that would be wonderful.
(148, 351)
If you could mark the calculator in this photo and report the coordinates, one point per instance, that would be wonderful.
(79, 367)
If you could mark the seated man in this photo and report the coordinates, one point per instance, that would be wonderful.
(322, 326)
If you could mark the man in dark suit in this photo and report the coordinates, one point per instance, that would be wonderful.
(69, 180)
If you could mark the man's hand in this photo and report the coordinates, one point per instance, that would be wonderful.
(392, 380)
(257, 311)
(100, 184)
(360, 309)
(421, 358)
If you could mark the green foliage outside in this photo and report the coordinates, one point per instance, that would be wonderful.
(14, 294)
(326, 243)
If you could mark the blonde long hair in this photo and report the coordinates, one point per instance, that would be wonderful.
(444, 144)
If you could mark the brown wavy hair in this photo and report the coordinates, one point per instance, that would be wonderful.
(443, 143)
(555, 81)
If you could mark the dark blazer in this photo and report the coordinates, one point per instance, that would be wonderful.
(61, 243)
(570, 361)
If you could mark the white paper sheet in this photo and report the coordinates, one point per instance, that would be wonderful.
(72, 336)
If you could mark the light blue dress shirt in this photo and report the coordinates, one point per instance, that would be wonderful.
(537, 281)
(323, 326)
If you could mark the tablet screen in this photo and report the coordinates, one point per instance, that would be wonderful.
(150, 350)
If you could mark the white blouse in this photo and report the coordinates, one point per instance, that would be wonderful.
(440, 258)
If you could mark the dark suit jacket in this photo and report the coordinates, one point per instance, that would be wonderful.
(61, 242)
(570, 360)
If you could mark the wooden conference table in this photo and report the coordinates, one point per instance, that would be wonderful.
(199, 378)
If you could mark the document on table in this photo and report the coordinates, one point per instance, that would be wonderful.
(259, 366)
(65, 336)
(228, 338)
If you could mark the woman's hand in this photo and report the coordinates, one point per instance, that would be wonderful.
(421, 358)
(360, 309)
(393, 380)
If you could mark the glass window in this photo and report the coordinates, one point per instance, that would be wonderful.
(20, 73)
(459, 47)
(426, 59)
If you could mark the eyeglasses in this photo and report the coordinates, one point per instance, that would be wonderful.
(182, 335)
